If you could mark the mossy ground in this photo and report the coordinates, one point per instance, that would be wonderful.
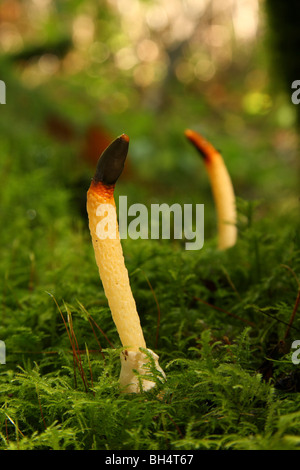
(218, 320)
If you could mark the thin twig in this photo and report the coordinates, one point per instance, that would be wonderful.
(90, 368)
(78, 356)
(96, 337)
(101, 331)
(293, 315)
(40, 406)
(14, 424)
(89, 317)
(74, 344)
(176, 426)
(225, 311)
(274, 318)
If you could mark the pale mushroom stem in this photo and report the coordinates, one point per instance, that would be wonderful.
(104, 231)
(222, 189)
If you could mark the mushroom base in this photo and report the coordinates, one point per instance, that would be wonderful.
(138, 361)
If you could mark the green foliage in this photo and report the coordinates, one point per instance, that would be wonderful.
(220, 321)
(219, 315)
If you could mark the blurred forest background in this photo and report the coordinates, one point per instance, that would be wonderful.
(78, 74)
(81, 72)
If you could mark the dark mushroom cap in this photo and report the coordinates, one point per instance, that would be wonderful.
(111, 162)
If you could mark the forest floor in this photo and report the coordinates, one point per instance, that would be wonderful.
(223, 323)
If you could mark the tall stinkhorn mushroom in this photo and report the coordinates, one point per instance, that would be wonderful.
(222, 189)
(104, 231)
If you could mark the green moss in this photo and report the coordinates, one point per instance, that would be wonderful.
(216, 319)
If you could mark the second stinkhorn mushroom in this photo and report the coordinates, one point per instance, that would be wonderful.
(222, 189)
(104, 231)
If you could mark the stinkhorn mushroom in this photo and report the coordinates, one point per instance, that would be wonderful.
(103, 224)
(222, 189)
